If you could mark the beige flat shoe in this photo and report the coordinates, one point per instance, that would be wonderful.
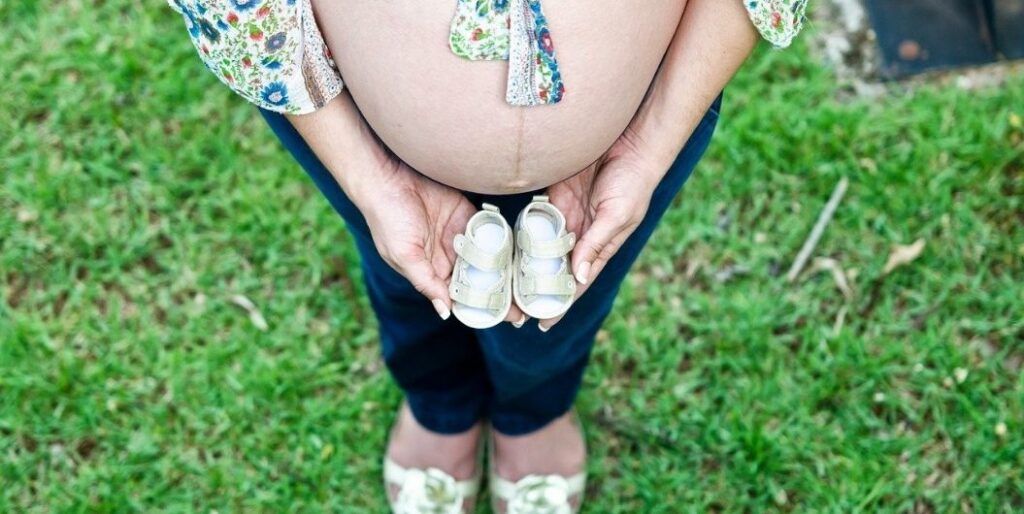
(429, 491)
(542, 284)
(481, 285)
(536, 494)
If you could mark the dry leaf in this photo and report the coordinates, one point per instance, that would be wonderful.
(26, 216)
(255, 316)
(902, 255)
(837, 272)
(837, 327)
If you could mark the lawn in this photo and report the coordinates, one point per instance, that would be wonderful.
(141, 204)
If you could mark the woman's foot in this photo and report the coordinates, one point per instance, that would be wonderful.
(413, 447)
(557, 449)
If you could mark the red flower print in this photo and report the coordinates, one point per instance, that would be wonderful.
(247, 62)
(232, 18)
(256, 35)
(475, 36)
(545, 42)
(776, 19)
(229, 78)
(263, 11)
(205, 50)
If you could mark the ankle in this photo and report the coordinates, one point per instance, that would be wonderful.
(556, 449)
(413, 446)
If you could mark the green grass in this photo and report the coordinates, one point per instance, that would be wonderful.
(137, 197)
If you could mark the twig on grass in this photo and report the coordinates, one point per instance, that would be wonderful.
(819, 228)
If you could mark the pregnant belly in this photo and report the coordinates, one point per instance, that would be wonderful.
(447, 117)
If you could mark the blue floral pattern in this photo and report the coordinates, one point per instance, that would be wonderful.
(483, 30)
(268, 51)
(271, 52)
(275, 93)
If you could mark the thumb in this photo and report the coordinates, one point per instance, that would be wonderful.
(591, 245)
(422, 276)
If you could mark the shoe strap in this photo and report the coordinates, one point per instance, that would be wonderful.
(551, 249)
(490, 300)
(562, 284)
(478, 258)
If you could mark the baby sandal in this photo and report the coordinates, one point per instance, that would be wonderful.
(481, 289)
(542, 285)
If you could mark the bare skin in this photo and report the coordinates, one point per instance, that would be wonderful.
(623, 152)
(556, 449)
(447, 117)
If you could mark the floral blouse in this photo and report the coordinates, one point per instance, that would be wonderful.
(272, 53)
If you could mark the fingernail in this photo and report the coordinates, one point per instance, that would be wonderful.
(542, 327)
(583, 272)
(441, 308)
(521, 322)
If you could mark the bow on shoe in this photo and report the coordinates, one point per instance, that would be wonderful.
(541, 495)
(429, 492)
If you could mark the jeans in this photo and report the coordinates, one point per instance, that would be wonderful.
(454, 376)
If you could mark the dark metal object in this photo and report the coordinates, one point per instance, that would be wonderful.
(1009, 28)
(920, 35)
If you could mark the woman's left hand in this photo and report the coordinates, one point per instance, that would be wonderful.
(604, 204)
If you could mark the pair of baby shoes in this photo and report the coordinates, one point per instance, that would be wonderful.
(497, 265)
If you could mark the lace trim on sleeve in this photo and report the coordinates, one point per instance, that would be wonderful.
(778, 21)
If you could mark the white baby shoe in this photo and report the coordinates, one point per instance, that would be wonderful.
(542, 284)
(481, 285)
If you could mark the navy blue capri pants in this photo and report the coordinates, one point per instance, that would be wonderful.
(454, 376)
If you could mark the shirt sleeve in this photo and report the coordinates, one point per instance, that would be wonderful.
(269, 52)
(778, 21)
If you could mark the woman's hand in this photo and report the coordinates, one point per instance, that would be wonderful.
(604, 204)
(413, 221)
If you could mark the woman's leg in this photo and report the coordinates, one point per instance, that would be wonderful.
(438, 364)
(537, 375)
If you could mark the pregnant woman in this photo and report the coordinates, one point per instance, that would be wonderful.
(606, 106)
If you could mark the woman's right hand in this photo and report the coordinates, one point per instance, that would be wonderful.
(413, 221)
